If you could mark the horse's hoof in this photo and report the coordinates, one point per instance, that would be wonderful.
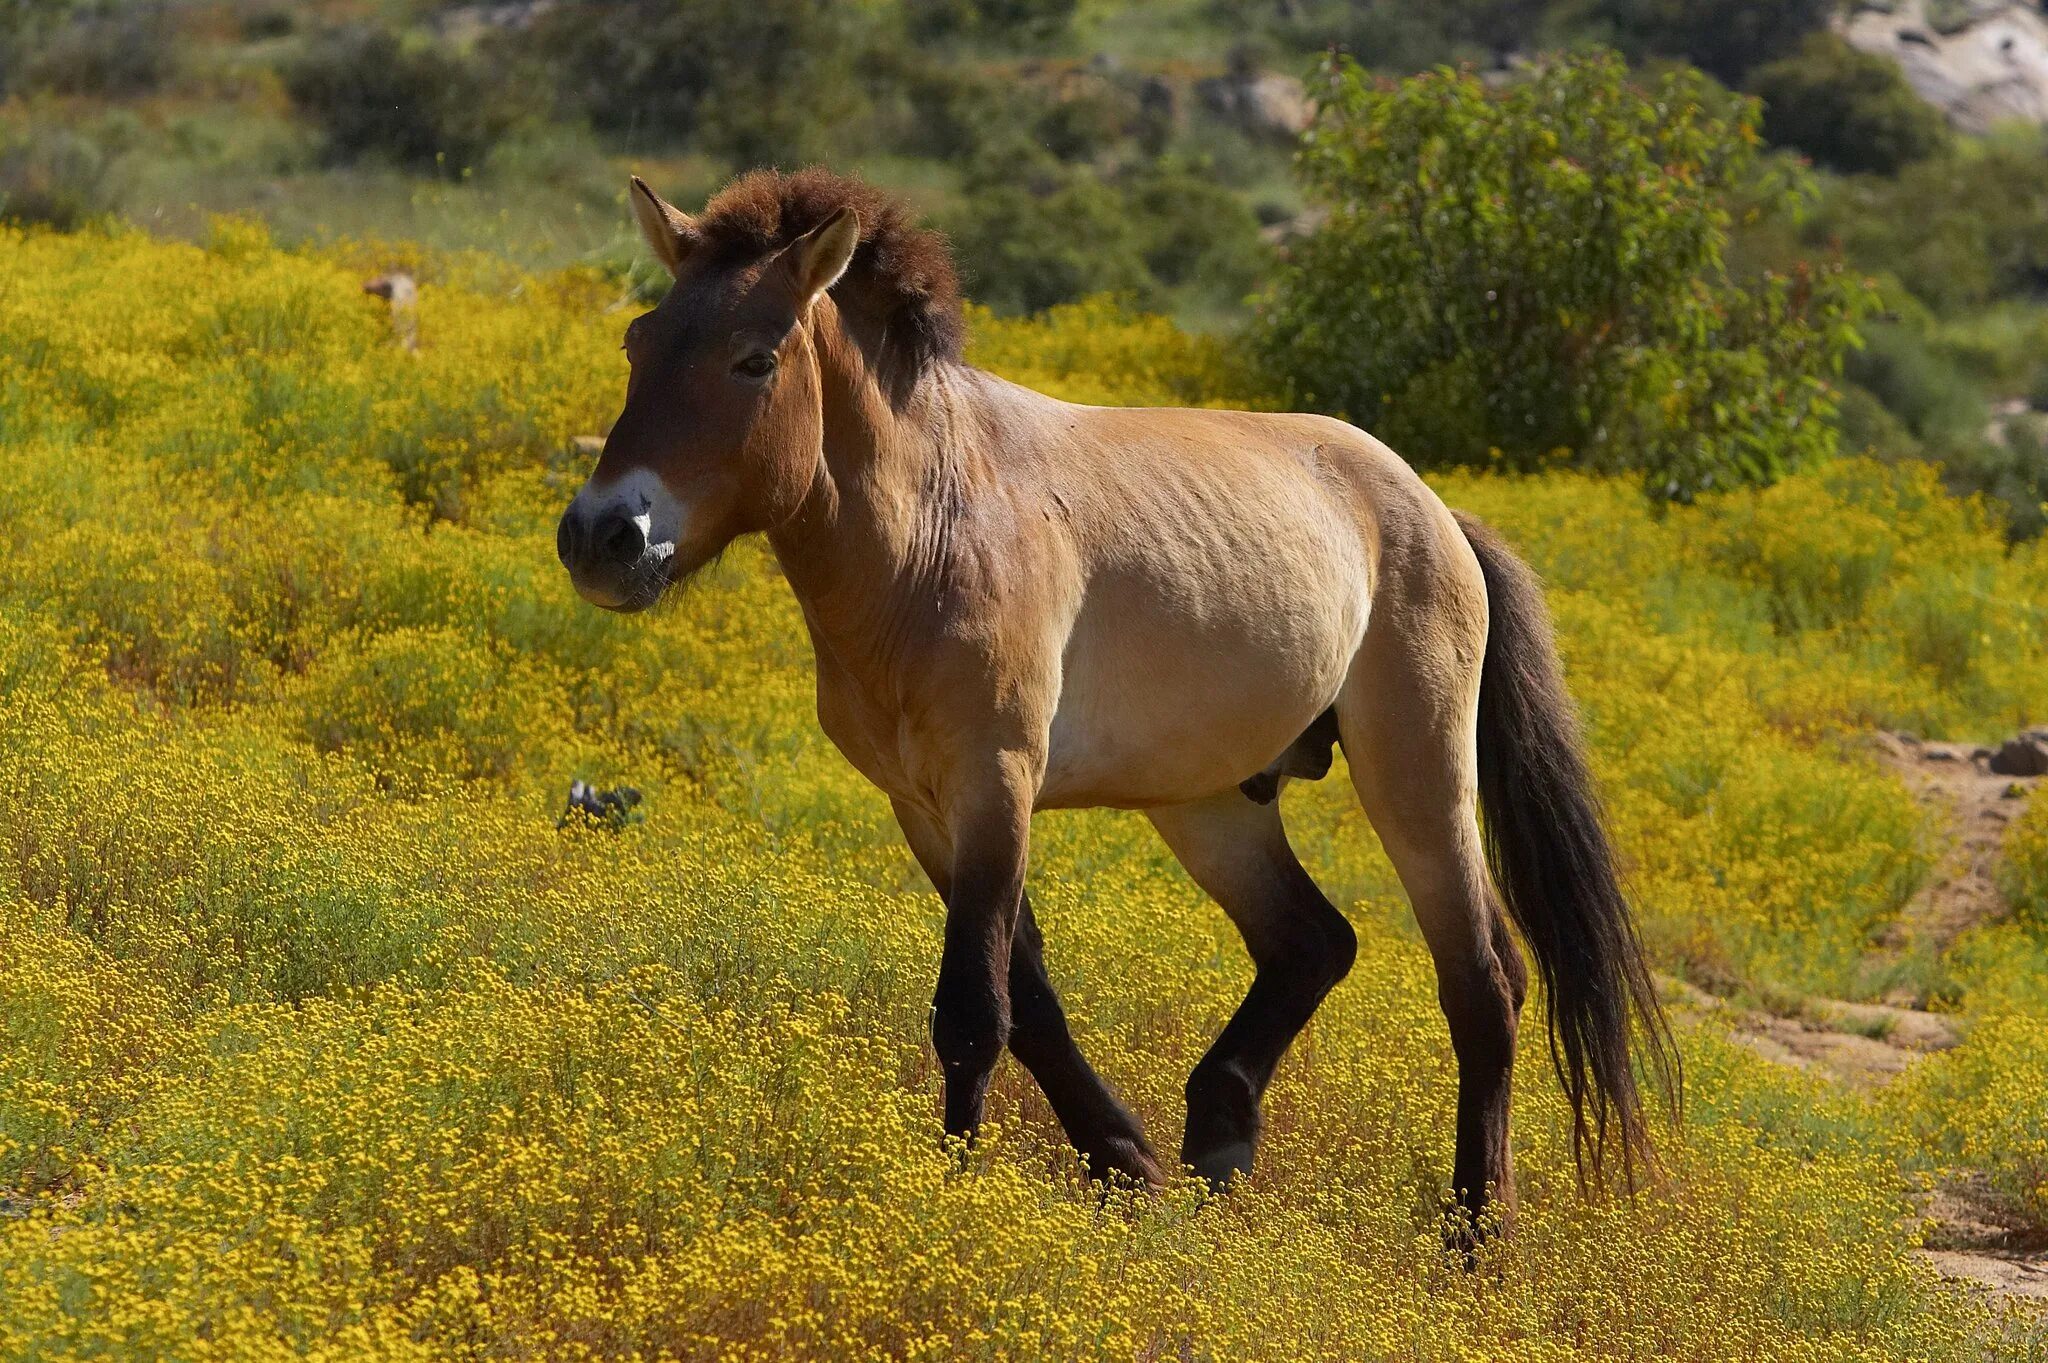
(1130, 1157)
(1468, 1233)
(1223, 1166)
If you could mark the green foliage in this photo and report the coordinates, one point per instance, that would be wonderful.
(1030, 21)
(1725, 38)
(1392, 35)
(419, 105)
(1929, 404)
(1955, 231)
(1029, 242)
(1535, 277)
(2011, 470)
(1022, 250)
(759, 81)
(108, 50)
(55, 171)
(1921, 386)
(1848, 110)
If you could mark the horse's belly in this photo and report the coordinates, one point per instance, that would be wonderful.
(1157, 707)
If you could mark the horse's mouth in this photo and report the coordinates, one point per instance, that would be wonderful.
(635, 590)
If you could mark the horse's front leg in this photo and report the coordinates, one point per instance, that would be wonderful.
(990, 832)
(1108, 1135)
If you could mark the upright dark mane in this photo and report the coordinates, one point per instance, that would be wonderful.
(901, 280)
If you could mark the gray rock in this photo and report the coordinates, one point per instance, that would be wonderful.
(1990, 66)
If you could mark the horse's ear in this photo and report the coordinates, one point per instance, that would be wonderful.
(820, 256)
(670, 233)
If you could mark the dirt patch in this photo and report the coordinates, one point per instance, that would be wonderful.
(1974, 1240)
(1956, 783)
(1860, 1045)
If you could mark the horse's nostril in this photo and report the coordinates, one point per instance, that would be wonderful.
(623, 541)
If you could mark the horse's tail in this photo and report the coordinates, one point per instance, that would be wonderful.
(1556, 873)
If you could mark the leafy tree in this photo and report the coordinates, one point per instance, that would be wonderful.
(1535, 277)
(1848, 110)
(1726, 38)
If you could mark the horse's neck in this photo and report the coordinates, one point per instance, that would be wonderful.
(867, 539)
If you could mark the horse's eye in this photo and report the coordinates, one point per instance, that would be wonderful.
(756, 366)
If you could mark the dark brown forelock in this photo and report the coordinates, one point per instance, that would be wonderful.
(902, 274)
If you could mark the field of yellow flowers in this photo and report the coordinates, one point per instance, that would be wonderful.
(319, 1039)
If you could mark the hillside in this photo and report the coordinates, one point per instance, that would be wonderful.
(318, 1036)
(1069, 148)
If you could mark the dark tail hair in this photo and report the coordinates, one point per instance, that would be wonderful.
(1556, 873)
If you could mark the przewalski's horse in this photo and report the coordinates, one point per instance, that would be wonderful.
(1021, 604)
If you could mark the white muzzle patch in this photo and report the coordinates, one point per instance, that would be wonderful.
(642, 498)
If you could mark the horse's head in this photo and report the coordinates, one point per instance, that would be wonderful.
(723, 426)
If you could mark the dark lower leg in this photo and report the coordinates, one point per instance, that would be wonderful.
(1106, 1133)
(1482, 1004)
(1226, 1088)
(969, 1026)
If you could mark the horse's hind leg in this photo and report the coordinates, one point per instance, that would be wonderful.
(1408, 716)
(1107, 1133)
(1237, 851)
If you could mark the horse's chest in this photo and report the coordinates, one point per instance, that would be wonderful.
(867, 732)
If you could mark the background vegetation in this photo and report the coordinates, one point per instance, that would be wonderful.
(1077, 147)
(318, 1036)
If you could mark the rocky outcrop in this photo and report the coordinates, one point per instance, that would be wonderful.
(1263, 103)
(1982, 63)
(2026, 755)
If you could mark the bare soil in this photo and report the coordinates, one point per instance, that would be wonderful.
(1955, 782)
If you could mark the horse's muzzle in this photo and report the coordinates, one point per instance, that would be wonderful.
(606, 553)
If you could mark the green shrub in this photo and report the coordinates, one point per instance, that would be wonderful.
(998, 20)
(110, 51)
(1088, 121)
(1023, 249)
(758, 81)
(419, 105)
(947, 112)
(1198, 235)
(1392, 35)
(1924, 388)
(1956, 231)
(1848, 110)
(1026, 242)
(1867, 426)
(56, 172)
(2011, 471)
(1534, 277)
